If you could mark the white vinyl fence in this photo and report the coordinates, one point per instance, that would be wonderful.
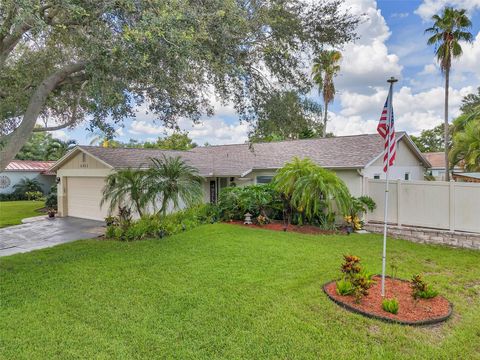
(453, 206)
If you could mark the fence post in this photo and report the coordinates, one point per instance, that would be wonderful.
(399, 205)
(365, 192)
(452, 205)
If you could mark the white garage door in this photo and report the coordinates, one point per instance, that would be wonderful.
(84, 195)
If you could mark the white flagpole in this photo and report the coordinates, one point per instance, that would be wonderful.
(385, 211)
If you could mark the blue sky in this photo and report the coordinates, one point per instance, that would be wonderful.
(392, 42)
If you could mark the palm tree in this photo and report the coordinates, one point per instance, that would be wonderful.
(27, 185)
(171, 181)
(56, 149)
(310, 189)
(325, 68)
(124, 186)
(448, 30)
(466, 146)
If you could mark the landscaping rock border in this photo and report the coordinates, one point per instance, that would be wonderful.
(350, 308)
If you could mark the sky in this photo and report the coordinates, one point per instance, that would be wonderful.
(391, 43)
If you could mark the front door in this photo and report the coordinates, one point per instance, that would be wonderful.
(213, 191)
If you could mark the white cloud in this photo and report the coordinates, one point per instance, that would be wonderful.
(429, 69)
(217, 131)
(431, 7)
(141, 127)
(59, 134)
(367, 62)
(414, 111)
(469, 61)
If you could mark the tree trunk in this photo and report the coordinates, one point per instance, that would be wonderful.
(446, 134)
(325, 119)
(11, 144)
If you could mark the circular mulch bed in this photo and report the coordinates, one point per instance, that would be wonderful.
(278, 226)
(411, 312)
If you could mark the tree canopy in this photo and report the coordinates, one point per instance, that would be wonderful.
(43, 146)
(431, 140)
(64, 62)
(287, 115)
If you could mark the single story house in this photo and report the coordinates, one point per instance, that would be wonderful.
(20, 169)
(437, 160)
(472, 177)
(83, 170)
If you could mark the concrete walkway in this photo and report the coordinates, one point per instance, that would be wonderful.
(45, 233)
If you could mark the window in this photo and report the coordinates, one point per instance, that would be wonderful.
(407, 176)
(376, 176)
(264, 179)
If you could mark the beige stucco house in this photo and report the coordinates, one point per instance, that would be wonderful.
(83, 170)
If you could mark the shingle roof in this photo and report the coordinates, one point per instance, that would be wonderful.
(233, 160)
(29, 165)
(437, 159)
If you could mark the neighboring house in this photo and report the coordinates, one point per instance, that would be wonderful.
(473, 177)
(437, 159)
(83, 170)
(19, 169)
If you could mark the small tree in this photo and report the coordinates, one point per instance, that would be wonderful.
(171, 181)
(125, 186)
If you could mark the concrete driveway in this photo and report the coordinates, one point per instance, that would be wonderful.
(45, 233)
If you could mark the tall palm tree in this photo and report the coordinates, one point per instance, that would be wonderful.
(126, 185)
(325, 68)
(447, 32)
(466, 146)
(58, 148)
(171, 181)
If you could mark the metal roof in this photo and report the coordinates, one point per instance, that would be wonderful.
(31, 165)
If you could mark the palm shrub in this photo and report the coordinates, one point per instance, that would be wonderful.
(27, 185)
(170, 181)
(312, 191)
(466, 146)
(124, 187)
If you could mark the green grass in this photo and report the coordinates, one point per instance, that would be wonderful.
(12, 212)
(223, 291)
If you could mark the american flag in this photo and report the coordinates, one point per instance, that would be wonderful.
(386, 129)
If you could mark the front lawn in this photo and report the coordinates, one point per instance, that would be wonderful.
(223, 291)
(12, 212)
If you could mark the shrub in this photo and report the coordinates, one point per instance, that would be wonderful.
(420, 289)
(159, 226)
(390, 305)
(345, 287)
(33, 195)
(235, 202)
(13, 197)
(360, 279)
(51, 201)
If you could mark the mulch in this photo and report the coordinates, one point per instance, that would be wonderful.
(279, 226)
(411, 311)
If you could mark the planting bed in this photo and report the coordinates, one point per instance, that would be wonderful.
(411, 311)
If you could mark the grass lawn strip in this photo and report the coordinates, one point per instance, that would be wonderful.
(12, 212)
